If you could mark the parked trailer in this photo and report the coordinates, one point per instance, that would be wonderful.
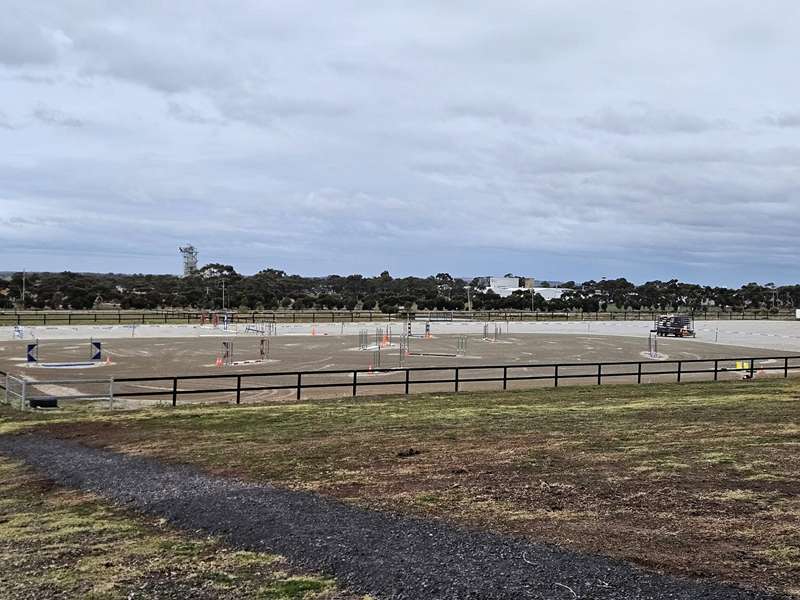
(674, 325)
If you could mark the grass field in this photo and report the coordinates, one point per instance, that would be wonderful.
(66, 544)
(693, 479)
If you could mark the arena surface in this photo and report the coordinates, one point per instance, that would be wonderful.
(175, 350)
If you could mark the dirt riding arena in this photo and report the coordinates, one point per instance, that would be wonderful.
(379, 350)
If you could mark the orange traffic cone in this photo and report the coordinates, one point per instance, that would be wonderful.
(218, 362)
(108, 360)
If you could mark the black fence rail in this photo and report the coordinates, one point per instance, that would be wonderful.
(456, 378)
(188, 317)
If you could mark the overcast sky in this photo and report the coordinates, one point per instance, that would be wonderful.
(559, 140)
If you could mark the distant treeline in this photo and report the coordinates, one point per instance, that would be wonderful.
(272, 289)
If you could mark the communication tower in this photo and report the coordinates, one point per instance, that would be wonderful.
(189, 254)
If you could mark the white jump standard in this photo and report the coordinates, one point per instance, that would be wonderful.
(427, 335)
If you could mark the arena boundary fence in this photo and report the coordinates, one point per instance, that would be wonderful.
(197, 317)
(23, 392)
(456, 376)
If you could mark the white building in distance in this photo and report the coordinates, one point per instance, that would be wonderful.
(550, 293)
(505, 286)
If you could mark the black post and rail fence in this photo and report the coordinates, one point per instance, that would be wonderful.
(195, 317)
(407, 380)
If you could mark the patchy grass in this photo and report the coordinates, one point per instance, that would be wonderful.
(61, 543)
(695, 479)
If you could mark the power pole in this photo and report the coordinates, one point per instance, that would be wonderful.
(23, 289)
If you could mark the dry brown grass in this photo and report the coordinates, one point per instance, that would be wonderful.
(694, 479)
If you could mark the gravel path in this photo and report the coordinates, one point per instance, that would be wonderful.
(387, 556)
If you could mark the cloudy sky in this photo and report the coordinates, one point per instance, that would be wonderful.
(561, 140)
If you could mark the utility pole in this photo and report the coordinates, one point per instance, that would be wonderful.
(23, 289)
(469, 298)
(223, 295)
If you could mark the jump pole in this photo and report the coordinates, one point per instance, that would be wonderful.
(32, 352)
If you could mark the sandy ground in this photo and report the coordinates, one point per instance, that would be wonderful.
(775, 335)
(175, 350)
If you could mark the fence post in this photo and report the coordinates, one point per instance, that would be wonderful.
(716, 370)
(599, 373)
(639, 373)
(299, 384)
(505, 378)
(456, 379)
(752, 368)
(355, 382)
(238, 389)
(555, 377)
(680, 365)
(786, 367)
(174, 391)
(408, 382)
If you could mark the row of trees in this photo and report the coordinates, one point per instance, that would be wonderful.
(217, 286)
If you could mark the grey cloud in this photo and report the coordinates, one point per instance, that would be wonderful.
(789, 120)
(166, 62)
(366, 68)
(265, 110)
(705, 153)
(23, 42)
(31, 78)
(52, 116)
(5, 123)
(190, 114)
(500, 113)
(643, 120)
(409, 136)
